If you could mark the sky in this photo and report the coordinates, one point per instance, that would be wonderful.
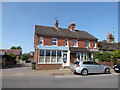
(19, 20)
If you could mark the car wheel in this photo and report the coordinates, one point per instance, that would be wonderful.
(84, 72)
(107, 71)
(75, 72)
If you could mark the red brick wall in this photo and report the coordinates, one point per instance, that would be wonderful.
(47, 41)
(110, 64)
(81, 43)
(36, 55)
(61, 42)
(70, 43)
(36, 40)
(48, 66)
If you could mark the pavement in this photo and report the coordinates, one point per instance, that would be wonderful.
(25, 69)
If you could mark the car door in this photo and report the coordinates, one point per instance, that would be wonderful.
(89, 66)
(97, 67)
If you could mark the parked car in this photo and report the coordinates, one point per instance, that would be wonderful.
(86, 67)
(117, 68)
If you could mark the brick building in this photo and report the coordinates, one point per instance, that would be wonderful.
(5, 59)
(58, 47)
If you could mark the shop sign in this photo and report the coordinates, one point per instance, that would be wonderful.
(53, 47)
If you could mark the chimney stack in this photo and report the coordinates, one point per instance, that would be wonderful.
(110, 38)
(72, 26)
(56, 24)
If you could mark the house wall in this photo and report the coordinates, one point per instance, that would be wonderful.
(60, 42)
(48, 66)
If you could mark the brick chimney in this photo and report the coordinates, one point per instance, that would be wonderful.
(72, 26)
(110, 38)
(56, 24)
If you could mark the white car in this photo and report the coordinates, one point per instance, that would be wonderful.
(89, 66)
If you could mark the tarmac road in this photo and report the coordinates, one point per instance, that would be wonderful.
(24, 77)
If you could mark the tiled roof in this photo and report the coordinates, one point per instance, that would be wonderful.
(108, 46)
(12, 51)
(76, 49)
(60, 32)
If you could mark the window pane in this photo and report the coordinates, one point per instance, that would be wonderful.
(41, 59)
(66, 42)
(47, 52)
(54, 39)
(41, 52)
(47, 59)
(40, 42)
(59, 59)
(59, 53)
(74, 42)
(94, 44)
(41, 38)
(53, 59)
(54, 53)
(53, 43)
(87, 43)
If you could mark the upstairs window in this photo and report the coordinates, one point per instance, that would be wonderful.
(94, 44)
(66, 42)
(54, 41)
(41, 40)
(87, 44)
(74, 43)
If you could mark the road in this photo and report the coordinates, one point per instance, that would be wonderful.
(21, 78)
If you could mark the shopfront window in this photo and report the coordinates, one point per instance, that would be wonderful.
(59, 56)
(50, 56)
(47, 59)
(41, 58)
(53, 59)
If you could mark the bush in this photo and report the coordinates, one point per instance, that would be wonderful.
(12, 56)
(24, 57)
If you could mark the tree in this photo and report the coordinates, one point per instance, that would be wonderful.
(13, 47)
(24, 57)
(115, 55)
(18, 47)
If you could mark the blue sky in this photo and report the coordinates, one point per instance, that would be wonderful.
(19, 19)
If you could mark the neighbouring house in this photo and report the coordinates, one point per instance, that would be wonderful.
(58, 47)
(6, 60)
(31, 56)
(109, 45)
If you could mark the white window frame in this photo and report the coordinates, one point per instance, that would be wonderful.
(42, 40)
(56, 62)
(55, 41)
(65, 42)
(88, 45)
(94, 44)
(76, 43)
